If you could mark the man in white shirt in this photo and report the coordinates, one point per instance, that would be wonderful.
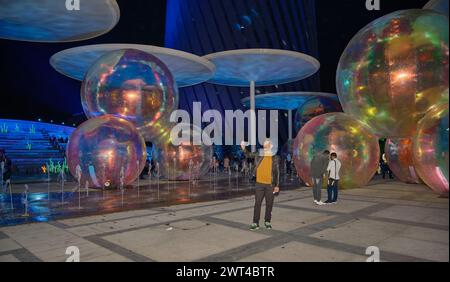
(334, 166)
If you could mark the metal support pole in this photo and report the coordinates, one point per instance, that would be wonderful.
(290, 125)
(252, 117)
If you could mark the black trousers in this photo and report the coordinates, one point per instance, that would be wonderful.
(263, 192)
(288, 167)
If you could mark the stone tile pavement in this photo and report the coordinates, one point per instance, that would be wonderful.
(406, 222)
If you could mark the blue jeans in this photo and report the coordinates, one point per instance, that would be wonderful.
(332, 189)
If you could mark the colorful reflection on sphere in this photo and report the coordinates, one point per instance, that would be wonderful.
(133, 85)
(394, 70)
(106, 148)
(431, 149)
(399, 156)
(183, 161)
(161, 131)
(315, 107)
(356, 146)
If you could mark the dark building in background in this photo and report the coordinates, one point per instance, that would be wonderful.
(208, 26)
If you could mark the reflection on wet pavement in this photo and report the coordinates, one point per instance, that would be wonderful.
(44, 206)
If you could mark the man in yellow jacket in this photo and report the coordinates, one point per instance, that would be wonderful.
(267, 173)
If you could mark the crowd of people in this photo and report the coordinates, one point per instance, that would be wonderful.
(229, 164)
(150, 169)
(244, 162)
(57, 142)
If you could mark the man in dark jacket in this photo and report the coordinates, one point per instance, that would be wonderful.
(267, 173)
(319, 165)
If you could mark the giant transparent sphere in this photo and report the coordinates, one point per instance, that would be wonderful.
(133, 85)
(106, 149)
(394, 70)
(314, 107)
(431, 149)
(356, 146)
(186, 160)
(399, 156)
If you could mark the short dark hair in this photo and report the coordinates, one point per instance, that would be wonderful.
(334, 154)
(326, 152)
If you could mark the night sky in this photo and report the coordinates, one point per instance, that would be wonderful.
(31, 89)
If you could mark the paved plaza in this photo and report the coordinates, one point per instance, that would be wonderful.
(406, 222)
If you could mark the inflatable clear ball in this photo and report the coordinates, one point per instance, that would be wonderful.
(107, 151)
(399, 156)
(133, 85)
(356, 146)
(314, 107)
(395, 70)
(184, 161)
(431, 149)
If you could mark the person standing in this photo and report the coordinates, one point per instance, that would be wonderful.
(267, 173)
(7, 169)
(213, 164)
(385, 167)
(2, 169)
(319, 165)
(78, 174)
(145, 170)
(334, 166)
(288, 164)
(226, 164)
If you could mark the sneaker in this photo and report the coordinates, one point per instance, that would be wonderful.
(327, 202)
(316, 202)
(334, 203)
(268, 225)
(320, 203)
(254, 227)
